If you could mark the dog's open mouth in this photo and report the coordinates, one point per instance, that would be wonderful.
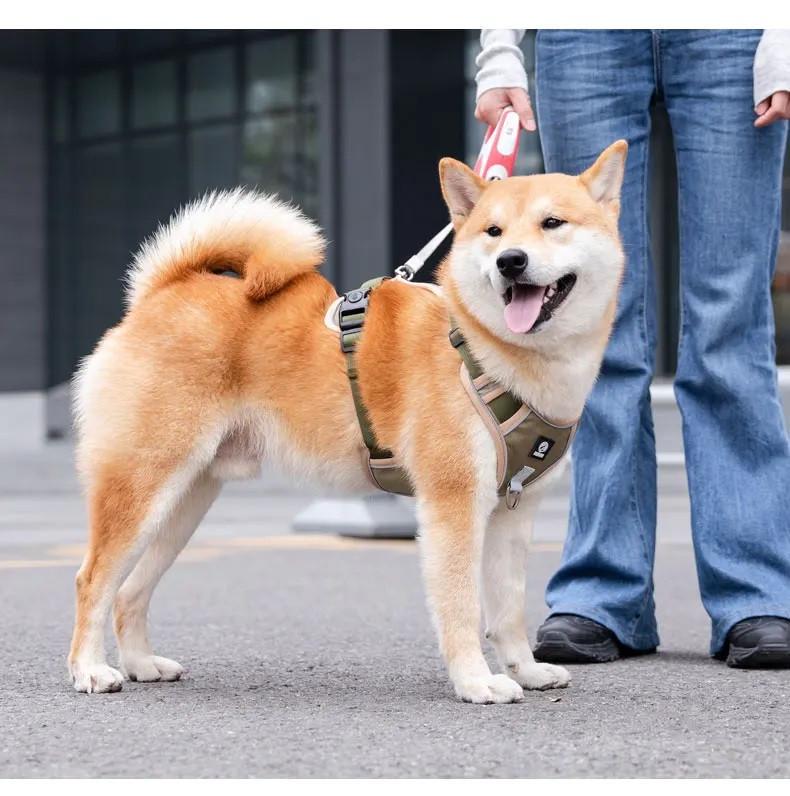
(529, 306)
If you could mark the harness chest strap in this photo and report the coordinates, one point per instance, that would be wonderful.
(527, 445)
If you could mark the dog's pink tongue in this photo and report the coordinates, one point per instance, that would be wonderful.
(524, 308)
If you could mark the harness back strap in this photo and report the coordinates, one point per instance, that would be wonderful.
(383, 468)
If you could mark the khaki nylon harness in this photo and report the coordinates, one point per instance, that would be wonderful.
(527, 445)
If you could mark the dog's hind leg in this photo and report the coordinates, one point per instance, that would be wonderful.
(138, 661)
(130, 502)
(504, 579)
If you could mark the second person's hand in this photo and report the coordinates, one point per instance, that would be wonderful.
(494, 101)
(771, 109)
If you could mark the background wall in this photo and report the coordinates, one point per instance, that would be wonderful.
(22, 231)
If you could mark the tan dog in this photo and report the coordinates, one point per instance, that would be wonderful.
(207, 375)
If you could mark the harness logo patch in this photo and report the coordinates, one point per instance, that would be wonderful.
(541, 448)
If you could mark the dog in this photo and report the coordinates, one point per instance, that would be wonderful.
(207, 376)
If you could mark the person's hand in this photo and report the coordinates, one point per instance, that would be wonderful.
(770, 110)
(494, 101)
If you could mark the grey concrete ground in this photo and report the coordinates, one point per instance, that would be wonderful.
(311, 656)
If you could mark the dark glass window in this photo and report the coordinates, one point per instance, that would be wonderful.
(209, 36)
(213, 161)
(62, 288)
(272, 74)
(96, 46)
(279, 144)
(154, 94)
(60, 110)
(99, 243)
(158, 119)
(99, 103)
(149, 42)
(211, 84)
(270, 161)
(156, 189)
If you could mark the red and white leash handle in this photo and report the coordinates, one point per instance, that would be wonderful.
(496, 160)
(497, 157)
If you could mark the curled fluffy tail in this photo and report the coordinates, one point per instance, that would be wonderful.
(266, 241)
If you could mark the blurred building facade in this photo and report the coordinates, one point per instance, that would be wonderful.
(104, 133)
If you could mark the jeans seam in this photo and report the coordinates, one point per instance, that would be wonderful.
(682, 304)
(656, 58)
(645, 346)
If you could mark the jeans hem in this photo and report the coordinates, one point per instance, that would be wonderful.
(636, 641)
(723, 626)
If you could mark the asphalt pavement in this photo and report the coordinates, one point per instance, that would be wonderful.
(314, 656)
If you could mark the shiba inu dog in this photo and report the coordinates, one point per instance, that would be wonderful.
(207, 376)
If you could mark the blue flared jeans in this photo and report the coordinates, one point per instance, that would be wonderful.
(594, 87)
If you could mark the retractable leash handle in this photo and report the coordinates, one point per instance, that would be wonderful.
(497, 157)
(496, 160)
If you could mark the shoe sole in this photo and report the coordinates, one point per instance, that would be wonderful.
(560, 649)
(765, 656)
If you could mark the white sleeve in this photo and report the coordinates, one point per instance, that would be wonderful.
(772, 64)
(501, 62)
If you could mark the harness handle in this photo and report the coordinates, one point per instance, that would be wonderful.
(496, 160)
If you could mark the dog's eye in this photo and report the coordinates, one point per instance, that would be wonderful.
(494, 231)
(552, 223)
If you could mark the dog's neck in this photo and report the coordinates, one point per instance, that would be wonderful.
(555, 382)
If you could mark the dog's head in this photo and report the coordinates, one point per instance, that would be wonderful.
(537, 259)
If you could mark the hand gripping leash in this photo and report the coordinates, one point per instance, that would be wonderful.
(496, 161)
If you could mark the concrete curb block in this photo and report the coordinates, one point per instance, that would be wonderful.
(381, 516)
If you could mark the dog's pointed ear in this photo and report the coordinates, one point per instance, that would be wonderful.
(461, 189)
(604, 178)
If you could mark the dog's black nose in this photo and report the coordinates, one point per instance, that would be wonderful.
(512, 263)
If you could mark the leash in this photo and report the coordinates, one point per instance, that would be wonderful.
(496, 161)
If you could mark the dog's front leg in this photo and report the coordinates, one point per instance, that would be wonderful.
(504, 578)
(451, 542)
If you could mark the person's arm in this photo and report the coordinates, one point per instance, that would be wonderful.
(501, 77)
(772, 77)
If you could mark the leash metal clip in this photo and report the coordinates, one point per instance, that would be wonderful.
(516, 486)
(513, 494)
(405, 272)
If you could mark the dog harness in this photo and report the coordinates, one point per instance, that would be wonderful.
(527, 445)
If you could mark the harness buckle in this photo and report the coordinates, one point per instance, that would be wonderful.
(351, 317)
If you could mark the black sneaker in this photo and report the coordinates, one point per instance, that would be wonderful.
(759, 642)
(568, 638)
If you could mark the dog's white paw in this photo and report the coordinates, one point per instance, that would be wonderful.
(150, 668)
(539, 676)
(490, 689)
(95, 678)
